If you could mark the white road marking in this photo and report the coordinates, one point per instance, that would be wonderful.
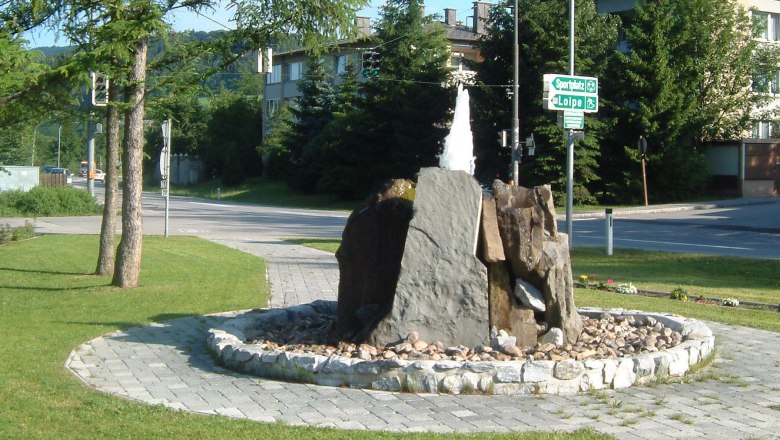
(678, 244)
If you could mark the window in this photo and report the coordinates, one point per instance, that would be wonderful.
(295, 71)
(763, 83)
(271, 107)
(275, 76)
(766, 26)
(458, 62)
(341, 64)
(765, 130)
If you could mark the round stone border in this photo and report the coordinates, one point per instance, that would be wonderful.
(568, 376)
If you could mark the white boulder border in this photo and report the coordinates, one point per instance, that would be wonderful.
(564, 377)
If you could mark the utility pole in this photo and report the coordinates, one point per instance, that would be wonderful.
(516, 151)
(570, 138)
(59, 143)
(91, 156)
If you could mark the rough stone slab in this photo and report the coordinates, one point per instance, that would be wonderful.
(529, 295)
(492, 247)
(442, 286)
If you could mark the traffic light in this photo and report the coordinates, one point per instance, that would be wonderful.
(371, 61)
(99, 89)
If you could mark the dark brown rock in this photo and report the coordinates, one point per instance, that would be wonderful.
(505, 312)
(370, 258)
(537, 253)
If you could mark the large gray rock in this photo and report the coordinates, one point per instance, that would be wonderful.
(442, 286)
(537, 252)
(370, 258)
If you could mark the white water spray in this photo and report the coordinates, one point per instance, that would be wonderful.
(458, 151)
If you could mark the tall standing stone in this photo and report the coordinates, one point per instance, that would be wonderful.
(370, 258)
(442, 286)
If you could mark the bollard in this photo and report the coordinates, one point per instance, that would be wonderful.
(608, 217)
(219, 195)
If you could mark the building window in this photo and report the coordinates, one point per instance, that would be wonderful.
(341, 64)
(271, 107)
(763, 83)
(765, 130)
(295, 71)
(766, 26)
(275, 76)
(458, 62)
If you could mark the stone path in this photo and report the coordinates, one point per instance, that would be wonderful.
(167, 363)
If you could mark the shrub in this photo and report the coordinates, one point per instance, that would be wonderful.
(10, 233)
(679, 294)
(47, 202)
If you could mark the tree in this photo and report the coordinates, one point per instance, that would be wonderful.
(312, 112)
(233, 131)
(114, 37)
(685, 81)
(544, 48)
(398, 122)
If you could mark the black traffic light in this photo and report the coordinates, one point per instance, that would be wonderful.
(99, 89)
(371, 61)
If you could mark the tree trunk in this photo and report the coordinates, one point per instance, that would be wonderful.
(128, 257)
(105, 264)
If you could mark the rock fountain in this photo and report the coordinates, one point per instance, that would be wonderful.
(446, 287)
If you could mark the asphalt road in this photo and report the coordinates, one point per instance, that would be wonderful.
(750, 228)
(744, 227)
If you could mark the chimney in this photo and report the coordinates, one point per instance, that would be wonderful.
(363, 25)
(481, 15)
(450, 16)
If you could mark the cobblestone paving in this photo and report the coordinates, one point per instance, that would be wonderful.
(167, 363)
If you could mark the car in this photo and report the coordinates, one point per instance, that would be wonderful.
(100, 176)
(66, 172)
(47, 168)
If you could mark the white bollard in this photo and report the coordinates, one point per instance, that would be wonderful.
(608, 234)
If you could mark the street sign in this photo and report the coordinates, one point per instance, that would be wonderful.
(569, 83)
(571, 101)
(571, 119)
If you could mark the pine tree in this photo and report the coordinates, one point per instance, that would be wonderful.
(686, 80)
(544, 48)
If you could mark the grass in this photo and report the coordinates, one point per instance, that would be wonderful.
(264, 192)
(50, 303)
(715, 276)
(741, 278)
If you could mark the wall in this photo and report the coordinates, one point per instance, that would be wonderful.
(16, 177)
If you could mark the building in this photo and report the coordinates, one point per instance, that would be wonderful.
(288, 66)
(748, 167)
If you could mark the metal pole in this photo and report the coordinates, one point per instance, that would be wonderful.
(167, 168)
(608, 217)
(570, 139)
(91, 157)
(35, 135)
(59, 143)
(644, 179)
(517, 153)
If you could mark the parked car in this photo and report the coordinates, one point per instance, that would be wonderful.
(47, 168)
(68, 175)
(100, 176)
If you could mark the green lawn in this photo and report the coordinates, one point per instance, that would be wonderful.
(50, 303)
(709, 276)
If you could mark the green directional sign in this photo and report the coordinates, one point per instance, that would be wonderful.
(569, 83)
(572, 119)
(571, 101)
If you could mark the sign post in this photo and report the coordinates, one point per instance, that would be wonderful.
(165, 169)
(642, 145)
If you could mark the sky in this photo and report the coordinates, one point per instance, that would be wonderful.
(220, 19)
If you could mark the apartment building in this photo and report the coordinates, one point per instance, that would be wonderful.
(749, 166)
(289, 65)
